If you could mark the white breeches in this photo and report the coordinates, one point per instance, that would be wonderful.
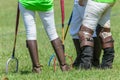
(47, 19)
(97, 13)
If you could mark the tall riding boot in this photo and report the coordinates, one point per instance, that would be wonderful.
(33, 50)
(97, 52)
(78, 51)
(58, 48)
(108, 58)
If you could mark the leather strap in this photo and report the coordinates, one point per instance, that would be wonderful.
(84, 28)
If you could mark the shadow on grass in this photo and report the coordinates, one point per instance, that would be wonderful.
(25, 72)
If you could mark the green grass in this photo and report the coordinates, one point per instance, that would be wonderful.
(7, 28)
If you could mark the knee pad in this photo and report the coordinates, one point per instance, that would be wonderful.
(85, 35)
(106, 38)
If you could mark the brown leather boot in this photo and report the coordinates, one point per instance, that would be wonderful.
(33, 50)
(57, 45)
(78, 51)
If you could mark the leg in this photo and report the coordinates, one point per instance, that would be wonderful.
(106, 40)
(28, 17)
(97, 52)
(93, 13)
(97, 48)
(58, 48)
(87, 45)
(33, 50)
(108, 47)
(49, 25)
(78, 51)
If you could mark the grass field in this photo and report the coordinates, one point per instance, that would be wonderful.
(7, 28)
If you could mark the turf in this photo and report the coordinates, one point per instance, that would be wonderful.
(7, 29)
